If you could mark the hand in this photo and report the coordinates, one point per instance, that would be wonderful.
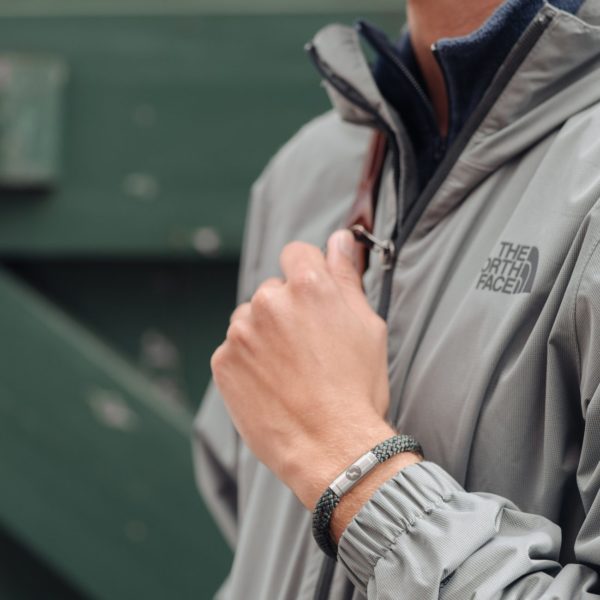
(303, 369)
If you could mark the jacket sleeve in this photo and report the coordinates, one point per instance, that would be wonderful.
(423, 536)
(215, 440)
(282, 202)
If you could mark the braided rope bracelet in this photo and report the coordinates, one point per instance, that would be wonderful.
(348, 479)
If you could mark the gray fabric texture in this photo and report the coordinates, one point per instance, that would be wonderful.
(501, 389)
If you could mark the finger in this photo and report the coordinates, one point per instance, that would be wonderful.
(264, 299)
(241, 312)
(343, 260)
(272, 282)
(244, 309)
(304, 262)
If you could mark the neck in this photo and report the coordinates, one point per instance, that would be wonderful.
(430, 20)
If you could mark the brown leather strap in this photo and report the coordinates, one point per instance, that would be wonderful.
(367, 193)
(363, 209)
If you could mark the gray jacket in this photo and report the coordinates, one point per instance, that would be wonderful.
(493, 308)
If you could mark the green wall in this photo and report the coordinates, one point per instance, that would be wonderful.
(118, 270)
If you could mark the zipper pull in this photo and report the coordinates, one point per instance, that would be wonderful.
(385, 248)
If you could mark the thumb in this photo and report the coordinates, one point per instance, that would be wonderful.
(345, 260)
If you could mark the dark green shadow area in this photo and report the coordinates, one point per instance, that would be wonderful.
(24, 576)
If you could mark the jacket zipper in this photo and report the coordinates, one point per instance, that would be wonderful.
(404, 227)
(383, 247)
(402, 230)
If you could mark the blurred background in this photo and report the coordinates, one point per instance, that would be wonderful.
(130, 133)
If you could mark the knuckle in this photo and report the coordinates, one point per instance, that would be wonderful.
(306, 280)
(297, 253)
(238, 312)
(272, 282)
(295, 248)
(237, 333)
(262, 299)
(217, 360)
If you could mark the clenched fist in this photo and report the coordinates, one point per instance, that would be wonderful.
(303, 369)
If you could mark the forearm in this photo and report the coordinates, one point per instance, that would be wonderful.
(309, 478)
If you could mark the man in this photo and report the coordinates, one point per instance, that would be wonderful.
(490, 356)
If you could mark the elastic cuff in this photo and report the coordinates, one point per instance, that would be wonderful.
(396, 506)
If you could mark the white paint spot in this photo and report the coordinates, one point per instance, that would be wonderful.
(141, 186)
(206, 240)
(136, 531)
(111, 410)
(170, 391)
(144, 116)
(158, 351)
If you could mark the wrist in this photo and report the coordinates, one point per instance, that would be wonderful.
(355, 486)
(316, 464)
(351, 503)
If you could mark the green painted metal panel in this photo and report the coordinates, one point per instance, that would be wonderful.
(166, 317)
(96, 467)
(168, 120)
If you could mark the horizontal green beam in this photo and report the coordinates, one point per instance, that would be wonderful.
(166, 122)
(191, 7)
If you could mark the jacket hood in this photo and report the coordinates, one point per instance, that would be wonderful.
(552, 74)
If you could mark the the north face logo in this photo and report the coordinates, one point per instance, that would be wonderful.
(512, 271)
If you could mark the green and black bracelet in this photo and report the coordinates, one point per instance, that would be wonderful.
(348, 479)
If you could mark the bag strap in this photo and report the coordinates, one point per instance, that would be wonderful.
(367, 193)
(362, 211)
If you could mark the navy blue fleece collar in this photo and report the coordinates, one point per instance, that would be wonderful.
(469, 64)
